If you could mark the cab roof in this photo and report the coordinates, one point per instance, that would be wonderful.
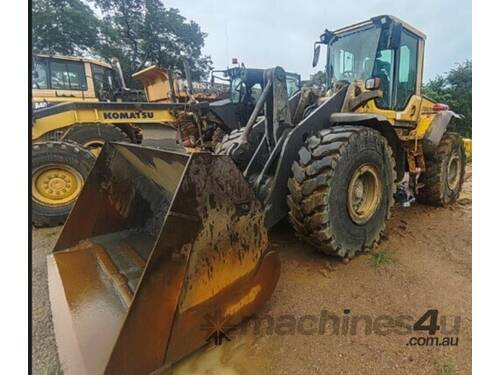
(379, 18)
(76, 58)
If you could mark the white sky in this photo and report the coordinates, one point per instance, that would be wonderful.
(265, 33)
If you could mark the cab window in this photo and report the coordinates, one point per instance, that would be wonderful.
(343, 64)
(292, 85)
(103, 79)
(383, 68)
(40, 74)
(406, 83)
(67, 75)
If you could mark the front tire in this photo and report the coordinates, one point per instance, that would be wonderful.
(444, 172)
(58, 172)
(342, 188)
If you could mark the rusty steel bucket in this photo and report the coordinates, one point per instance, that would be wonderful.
(156, 243)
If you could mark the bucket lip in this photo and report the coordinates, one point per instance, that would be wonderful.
(133, 145)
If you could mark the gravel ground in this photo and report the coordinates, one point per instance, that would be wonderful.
(44, 343)
(426, 264)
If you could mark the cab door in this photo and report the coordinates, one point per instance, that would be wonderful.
(407, 81)
(400, 70)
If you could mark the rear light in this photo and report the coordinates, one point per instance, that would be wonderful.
(440, 107)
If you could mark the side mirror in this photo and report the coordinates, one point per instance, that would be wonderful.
(372, 83)
(317, 49)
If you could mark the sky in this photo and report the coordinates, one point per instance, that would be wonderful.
(266, 33)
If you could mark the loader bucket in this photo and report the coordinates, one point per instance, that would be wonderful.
(157, 245)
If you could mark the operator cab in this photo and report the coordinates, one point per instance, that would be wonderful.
(385, 53)
(245, 86)
(57, 79)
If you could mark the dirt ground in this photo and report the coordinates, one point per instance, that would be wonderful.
(424, 262)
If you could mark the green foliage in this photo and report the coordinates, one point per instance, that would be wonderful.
(139, 33)
(144, 32)
(381, 258)
(53, 370)
(455, 89)
(64, 26)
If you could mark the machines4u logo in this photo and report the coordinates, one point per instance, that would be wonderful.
(215, 325)
(128, 115)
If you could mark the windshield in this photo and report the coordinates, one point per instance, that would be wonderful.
(352, 56)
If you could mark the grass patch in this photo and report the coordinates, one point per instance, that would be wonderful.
(381, 258)
(446, 368)
(53, 370)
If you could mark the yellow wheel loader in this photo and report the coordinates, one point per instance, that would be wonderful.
(159, 243)
(79, 104)
(67, 137)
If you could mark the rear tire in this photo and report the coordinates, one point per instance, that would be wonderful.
(93, 137)
(444, 172)
(342, 188)
(232, 140)
(58, 171)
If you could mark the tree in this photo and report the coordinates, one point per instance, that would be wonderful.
(68, 27)
(455, 89)
(137, 32)
(144, 32)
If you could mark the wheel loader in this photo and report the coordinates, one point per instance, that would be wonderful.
(81, 103)
(159, 243)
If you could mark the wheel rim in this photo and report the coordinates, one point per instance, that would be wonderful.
(364, 193)
(94, 146)
(453, 172)
(56, 185)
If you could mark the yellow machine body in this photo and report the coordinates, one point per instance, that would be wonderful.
(63, 116)
(161, 85)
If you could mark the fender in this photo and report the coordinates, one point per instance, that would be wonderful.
(436, 130)
(381, 124)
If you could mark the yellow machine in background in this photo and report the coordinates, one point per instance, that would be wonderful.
(69, 79)
(160, 85)
(468, 147)
(81, 103)
(65, 79)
